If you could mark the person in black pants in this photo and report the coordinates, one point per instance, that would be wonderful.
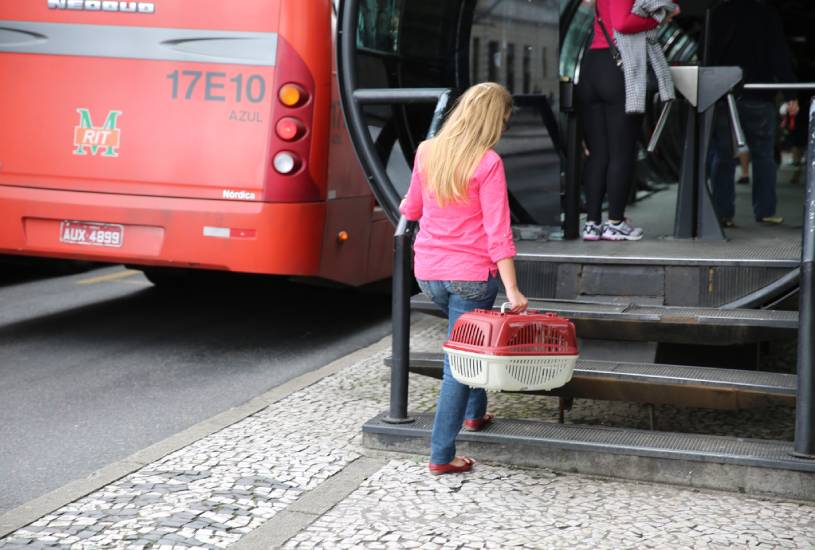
(610, 133)
(611, 137)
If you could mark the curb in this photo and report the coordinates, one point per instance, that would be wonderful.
(313, 504)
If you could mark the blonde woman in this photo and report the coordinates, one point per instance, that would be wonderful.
(458, 190)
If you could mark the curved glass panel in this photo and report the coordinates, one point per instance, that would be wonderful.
(576, 38)
(453, 44)
(515, 43)
(378, 25)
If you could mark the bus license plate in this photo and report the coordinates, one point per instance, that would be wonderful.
(92, 233)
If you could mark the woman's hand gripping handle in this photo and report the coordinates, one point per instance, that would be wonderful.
(506, 268)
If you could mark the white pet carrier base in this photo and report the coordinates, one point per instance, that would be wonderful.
(511, 372)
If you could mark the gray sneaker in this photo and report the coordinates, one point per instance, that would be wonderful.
(591, 232)
(622, 231)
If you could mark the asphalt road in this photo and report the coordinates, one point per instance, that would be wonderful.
(95, 366)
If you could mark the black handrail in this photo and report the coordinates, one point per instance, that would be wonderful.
(400, 300)
(400, 311)
(805, 405)
(402, 239)
(571, 185)
(804, 445)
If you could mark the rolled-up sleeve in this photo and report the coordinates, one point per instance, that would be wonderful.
(495, 211)
(411, 207)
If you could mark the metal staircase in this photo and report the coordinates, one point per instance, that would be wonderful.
(673, 291)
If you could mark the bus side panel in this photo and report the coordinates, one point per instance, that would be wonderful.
(345, 260)
(133, 127)
(367, 254)
(380, 250)
(345, 175)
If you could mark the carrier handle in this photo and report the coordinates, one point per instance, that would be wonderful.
(505, 304)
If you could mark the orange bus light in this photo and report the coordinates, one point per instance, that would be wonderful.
(342, 236)
(292, 95)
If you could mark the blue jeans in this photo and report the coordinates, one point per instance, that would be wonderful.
(456, 401)
(758, 119)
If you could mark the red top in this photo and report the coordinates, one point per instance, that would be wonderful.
(617, 16)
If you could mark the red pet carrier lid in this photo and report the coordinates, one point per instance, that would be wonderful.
(495, 333)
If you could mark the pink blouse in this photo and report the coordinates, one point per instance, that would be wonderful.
(617, 16)
(462, 241)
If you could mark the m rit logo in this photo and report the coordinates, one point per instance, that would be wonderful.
(88, 137)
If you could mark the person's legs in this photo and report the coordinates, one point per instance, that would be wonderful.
(621, 135)
(723, 166)
(758, 119)
(592, 115)
(455, 399)
(623, 129)
(596, 166)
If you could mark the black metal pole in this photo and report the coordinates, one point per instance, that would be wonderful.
(805, 407)
(438, 113)
(706, 32)
(706, 39)
(400, 343)
(571, 207)
(400, 300)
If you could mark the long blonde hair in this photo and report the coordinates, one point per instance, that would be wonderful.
(449, 160)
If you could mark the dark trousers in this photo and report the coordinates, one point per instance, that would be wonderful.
(611, 135)
(758, 119)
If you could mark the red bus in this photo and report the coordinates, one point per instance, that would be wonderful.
(170, 133)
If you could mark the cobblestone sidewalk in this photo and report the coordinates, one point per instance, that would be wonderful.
(216, 491)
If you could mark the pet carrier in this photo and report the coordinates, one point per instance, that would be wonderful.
(512, 352)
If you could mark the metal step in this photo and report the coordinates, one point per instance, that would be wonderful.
(682, 325)
(656, 384)
(744, 465)
(757, 252)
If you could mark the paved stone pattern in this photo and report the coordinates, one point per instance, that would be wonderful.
(210, 494)
(401, 506)
(207, 495)
(213, 492)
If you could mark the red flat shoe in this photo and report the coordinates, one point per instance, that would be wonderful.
(478, 424)
(450, 468)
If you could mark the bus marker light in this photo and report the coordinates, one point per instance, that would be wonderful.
(342, 236)
(286, 163)
(229, 233)
(292, 95)
(289, 129)
(220, 232)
